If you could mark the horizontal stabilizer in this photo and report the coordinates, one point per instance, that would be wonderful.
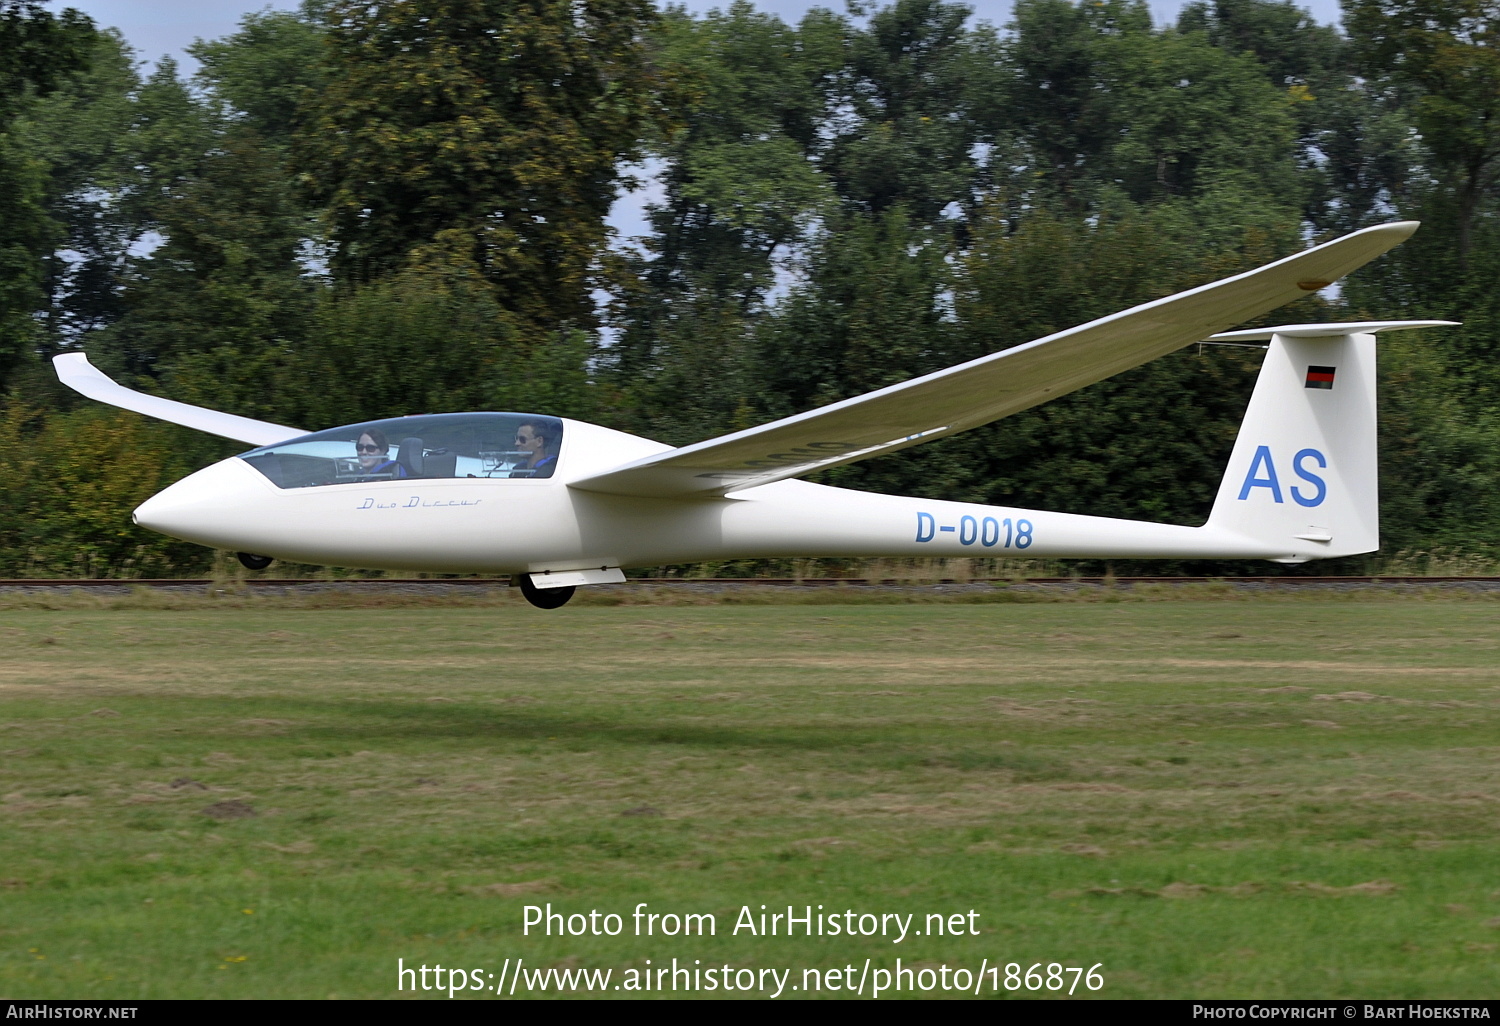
(1324, 330)
(75, 371)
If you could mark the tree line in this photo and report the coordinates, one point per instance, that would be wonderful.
(386, 207)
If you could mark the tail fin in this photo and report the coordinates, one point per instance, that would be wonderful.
(1303, 473)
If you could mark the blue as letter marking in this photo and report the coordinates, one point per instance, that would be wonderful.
(926, 527)
(1263, 458)
(1309, 477)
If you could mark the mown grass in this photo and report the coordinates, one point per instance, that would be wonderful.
(235, 595)
(1239, 798)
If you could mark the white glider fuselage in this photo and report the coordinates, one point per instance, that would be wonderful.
(534, 526)
(564, 503)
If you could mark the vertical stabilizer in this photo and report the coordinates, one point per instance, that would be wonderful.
(1304, 470)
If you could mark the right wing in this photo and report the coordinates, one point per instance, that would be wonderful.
(974, 393)
(75, 371)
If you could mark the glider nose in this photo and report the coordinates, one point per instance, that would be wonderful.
(204, 507)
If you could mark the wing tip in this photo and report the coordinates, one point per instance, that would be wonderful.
(78, 373)
(1400, 230)
(75, 371)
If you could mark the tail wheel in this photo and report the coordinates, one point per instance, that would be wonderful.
(250, 561)
(545, 598)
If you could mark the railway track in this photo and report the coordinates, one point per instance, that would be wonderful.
(491, 582)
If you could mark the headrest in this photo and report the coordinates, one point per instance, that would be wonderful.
(410, 456)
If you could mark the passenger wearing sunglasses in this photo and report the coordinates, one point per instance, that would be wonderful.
(539, 439)
(374, 455)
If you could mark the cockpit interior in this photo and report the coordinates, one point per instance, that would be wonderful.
(493, 446)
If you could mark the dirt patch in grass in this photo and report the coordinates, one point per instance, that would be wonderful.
(512, 890)
(1329, 667)
(231, 809)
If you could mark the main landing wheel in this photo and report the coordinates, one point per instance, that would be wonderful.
(545, 598)
(250, 561)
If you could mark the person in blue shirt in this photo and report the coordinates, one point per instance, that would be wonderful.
(541, 439)
(374, 451)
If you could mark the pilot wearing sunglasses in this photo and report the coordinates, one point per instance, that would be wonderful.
(374, 455)
(539, 439)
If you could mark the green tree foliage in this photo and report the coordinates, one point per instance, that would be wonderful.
(38, 52)
(484, 131)
(1443, 51)
(1353, 146)
(870, 314)
(266, 74)
(26, 237)
(741, 183)
(1436, 64)
(226, 279)
(1158, 115)
(1291, 47)
(370, 209)
(226, 272)
(1439, 461)
(912, 107)
(416, 342)
(122, 154)
(80, 132)
(1058, 110)
(71, 481)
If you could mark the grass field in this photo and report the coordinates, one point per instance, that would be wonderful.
(1268, 797)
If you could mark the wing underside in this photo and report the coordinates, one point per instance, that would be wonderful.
(995, 386)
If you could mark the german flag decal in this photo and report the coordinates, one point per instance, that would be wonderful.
(1319, 377)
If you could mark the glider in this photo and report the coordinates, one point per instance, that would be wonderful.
(560, 503)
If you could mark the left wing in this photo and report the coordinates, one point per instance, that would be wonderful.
(993, 386)
(75, 371)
